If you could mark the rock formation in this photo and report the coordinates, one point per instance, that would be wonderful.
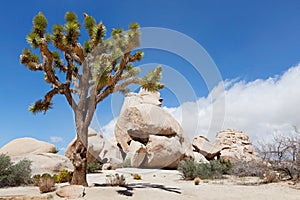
(99, 149)
(159, 140)
(40, 153)
(229, 145)
(236, 145)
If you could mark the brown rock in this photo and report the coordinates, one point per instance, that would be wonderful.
(71, 191)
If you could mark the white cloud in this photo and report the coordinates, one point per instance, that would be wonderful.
(260, 108)
(56, 139)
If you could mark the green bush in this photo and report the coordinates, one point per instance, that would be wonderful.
(14, 174)
(64, 176)
(214, 169)
(93, 167)
(36, 179)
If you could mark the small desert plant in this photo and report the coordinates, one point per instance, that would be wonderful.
(54, 150)
(14, 174)
(271, 177)
(46, 184)
(64, 176)
(36, 179)
(136, 176)
(197, 181)
(55, 178)
(127, 163)
(93, 167)
(214, 169)
(116, 180)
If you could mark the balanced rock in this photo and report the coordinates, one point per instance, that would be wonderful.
(143, 120)
(99, 149)
(235, 146)
(25, 146)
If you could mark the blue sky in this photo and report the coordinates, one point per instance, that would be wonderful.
(248, 40)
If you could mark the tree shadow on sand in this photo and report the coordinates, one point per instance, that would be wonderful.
(130, 188)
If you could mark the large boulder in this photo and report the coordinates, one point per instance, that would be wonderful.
(41, 154)
(143, 120)
(46, 163)
(25, 146)
(203, 146)
(105, 151)
(236, 146)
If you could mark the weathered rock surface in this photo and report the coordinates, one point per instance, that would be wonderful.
(39, 153)
(71, 191)
(144, 121)
(46, 163)
(25, 146)
(229, 145)
(99, 149)
(137, 153)
(236, 145)
(204, 147)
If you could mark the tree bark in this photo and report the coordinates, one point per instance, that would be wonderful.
(80, 155)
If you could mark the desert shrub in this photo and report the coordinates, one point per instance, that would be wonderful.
(5, 164)
(214, 169)
(197, 181)
(46, 184)
(55, 178)
(136, 176)
(64, 176)
(116, 180)
(93, 167)
(36, 179)
(14, 174)
(245, 168)
(271, 177)
(54, 150)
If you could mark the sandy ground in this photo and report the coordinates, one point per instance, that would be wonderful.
(167, 185)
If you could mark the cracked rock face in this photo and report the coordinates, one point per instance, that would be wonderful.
(143, 120)
(236, 145)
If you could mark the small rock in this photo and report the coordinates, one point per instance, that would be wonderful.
(71, 191)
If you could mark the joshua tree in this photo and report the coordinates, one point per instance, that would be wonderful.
(84, 75)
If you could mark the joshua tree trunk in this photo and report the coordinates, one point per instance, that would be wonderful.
(80, 153)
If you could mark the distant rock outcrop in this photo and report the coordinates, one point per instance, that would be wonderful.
(159, 140)
(99, 149)
(25, 146)
(40, 153)
(229, 145)
(236, 145)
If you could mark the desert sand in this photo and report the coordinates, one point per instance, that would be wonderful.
(167, 184)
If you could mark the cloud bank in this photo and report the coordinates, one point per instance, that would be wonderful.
(260, 108)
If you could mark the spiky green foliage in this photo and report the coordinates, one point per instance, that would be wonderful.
(89, 23)
(71, 17)
(29, 57)
(72, 30)
(40, 106)
(34, 40)
(40, 24)
(151, 82)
